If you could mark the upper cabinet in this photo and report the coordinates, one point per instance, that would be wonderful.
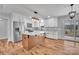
(52, 22)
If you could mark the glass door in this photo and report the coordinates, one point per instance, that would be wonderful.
(71, 29)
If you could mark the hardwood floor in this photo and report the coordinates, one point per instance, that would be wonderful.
(51, 47)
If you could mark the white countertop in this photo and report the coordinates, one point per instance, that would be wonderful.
(34, 33)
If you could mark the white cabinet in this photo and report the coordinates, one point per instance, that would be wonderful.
(53, 22)
(52, 35)
(53, 30)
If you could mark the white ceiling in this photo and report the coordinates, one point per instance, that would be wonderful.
(43, 9)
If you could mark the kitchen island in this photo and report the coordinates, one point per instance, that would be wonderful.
(29, 41)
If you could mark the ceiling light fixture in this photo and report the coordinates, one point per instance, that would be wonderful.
(72, 12)
(35, 16)
(35, 12)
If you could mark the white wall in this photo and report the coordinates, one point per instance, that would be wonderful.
(3, 29)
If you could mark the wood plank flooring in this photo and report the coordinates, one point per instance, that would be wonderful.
(51, 47)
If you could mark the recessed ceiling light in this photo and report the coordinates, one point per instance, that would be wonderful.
(42, 21)
(0, 19)
(48, 16)
(30, 17)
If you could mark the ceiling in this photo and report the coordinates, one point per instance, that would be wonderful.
(44, 10)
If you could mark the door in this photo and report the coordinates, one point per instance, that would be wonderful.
(71, 30)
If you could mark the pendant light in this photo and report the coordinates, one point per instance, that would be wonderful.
(72, 13)
(35, 16)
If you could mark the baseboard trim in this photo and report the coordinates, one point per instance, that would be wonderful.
(53, 38)
(63, 39)
(3, 39)
(71, 40)
(17, 41)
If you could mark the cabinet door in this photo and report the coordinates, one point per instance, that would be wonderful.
(25, 41)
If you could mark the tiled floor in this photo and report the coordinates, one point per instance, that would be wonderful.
(51, 47)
